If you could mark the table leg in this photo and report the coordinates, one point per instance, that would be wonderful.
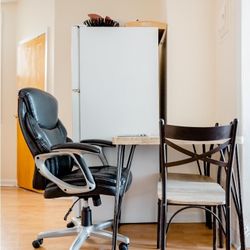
(120, 153)
(236, 193)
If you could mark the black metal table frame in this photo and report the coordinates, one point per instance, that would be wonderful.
(121, 163)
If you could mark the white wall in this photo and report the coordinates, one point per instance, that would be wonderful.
(25, 19)
(191, 62)
(35, 18)
(228, 70)
(190, 48)
(1, 92)
(245, 118)
(228, 66)
(8, 94)
(191, 69)
(22, 20)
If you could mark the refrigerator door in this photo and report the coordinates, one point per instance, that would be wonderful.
(118, 82)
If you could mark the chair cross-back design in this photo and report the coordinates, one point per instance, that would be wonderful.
(217, 149)
(194, 156)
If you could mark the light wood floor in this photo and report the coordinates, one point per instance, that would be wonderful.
(25, 213)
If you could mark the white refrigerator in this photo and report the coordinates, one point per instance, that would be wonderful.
(115, 88)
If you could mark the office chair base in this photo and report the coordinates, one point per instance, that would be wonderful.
(83, 232)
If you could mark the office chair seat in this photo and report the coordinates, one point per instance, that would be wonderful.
(104, 177)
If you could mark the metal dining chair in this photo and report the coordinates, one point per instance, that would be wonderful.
(186, 190)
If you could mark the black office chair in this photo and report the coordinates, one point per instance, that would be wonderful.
(217, 150)
(61, 170)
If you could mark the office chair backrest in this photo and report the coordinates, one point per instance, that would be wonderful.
(41, 128)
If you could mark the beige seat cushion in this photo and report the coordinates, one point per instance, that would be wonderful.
(187, 189)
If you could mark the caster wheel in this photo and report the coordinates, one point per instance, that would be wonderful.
(37, 243)
(70, 225)
(123, 246)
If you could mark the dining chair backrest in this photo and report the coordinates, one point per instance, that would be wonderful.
(217, 143)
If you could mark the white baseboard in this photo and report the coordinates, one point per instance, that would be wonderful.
(236, 238)
(8, 183)
(247, 235)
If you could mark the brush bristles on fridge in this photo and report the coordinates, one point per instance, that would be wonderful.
(98, 21)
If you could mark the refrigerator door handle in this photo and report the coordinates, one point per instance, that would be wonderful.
(76, 90)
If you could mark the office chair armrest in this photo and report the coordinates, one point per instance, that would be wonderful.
(98, 142)
(84, 149)
(87, 148)
(64, 186)
(101, 144)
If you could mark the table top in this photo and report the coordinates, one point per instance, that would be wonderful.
(136, 140)
(154, 140)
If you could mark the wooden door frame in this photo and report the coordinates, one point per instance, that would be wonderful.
(35, 35)
(31, 58)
